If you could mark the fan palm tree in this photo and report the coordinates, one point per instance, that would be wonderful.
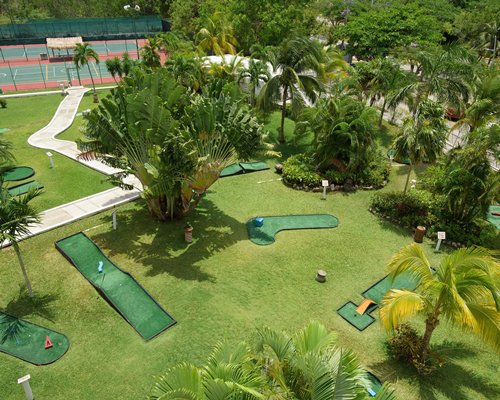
(216, 36)
(298, 62)
(421, 138)
(82, 55)
(256, 74)
(461, 291)
(16, 215)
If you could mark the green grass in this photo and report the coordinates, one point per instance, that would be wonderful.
(221, 287)
(69, 180)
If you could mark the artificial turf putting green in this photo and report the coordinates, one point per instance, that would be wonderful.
(241, 168)
(494, 219)
(24, 188)
(264, 235)
(359, 321)
(118, 287)
(377, 291)
(25, 340)
(375, 384)
(18, 174)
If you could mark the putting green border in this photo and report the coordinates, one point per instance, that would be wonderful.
(42, 327)
(103, 294)
(18, 167)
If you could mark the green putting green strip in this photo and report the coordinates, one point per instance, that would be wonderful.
(360, 322)
(494, 219)
(18, 174)
(241, 168)
(265, 234)
(24, 188)
(118, 287)
(25, 340)
(376, 384)
(233, 169)
(377, 291)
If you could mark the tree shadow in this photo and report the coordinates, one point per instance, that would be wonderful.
(168, 253)
(24, 305)
(452, 381)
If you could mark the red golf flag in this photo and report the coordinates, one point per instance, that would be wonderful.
(48, 343)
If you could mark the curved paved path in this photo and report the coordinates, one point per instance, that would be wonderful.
(45, 138)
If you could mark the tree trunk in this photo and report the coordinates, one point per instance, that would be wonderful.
(283, 112)
(382, 113)
(430, 324)
(23, 268)
(408, 177)
(93, 84)
(156, 210)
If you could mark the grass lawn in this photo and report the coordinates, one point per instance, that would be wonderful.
(69, 180)
(221, 287)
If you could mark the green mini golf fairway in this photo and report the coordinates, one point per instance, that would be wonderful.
(265, 234)
(25, 340)
(118, 287)
(24, 188)
(241, 168)
(376, 385)
(377, 291)
(494, 219)
(360, 322)
(18, 174)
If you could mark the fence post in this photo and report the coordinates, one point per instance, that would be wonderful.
(106, 45)
(137, 46)
(41, 72)
(126, 47)
(1, 52)
(12, 76)
(67, 73)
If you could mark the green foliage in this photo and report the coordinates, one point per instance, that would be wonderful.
(300, 170)
(406, 345)
(3, 103)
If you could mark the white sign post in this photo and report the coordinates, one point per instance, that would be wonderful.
(25, 382)
(325, 185)
(441, 237)
(49, 154)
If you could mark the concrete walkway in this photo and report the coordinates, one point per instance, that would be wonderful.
(45, 138)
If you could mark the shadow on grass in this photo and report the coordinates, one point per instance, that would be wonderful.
(451, 381)
(167, 252)
(24, 305)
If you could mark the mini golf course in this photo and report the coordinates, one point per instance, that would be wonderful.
(27, 341)
(118, 287)
(18, 174)
(265, 234)
(24, 188)
(242, 168)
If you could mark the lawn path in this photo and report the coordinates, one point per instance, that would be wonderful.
(45, 138)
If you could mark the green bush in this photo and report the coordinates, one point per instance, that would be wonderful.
(3, 103)
(299, 170)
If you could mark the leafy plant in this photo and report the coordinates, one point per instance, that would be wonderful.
(3, 103)
(299, 170)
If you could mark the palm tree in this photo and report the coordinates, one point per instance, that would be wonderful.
(421, 138)
(187, 71)
(114, 67)
(256, 73)
(462, 291)
(150, 53)
(298, 62)
(6, 155)
(16, 215)
(216, 37)
(81, 57)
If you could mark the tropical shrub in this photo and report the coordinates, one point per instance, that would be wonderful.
(3, 103)
(299, 170)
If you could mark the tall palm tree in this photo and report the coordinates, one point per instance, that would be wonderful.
(461, 291)
(421, 138)
(298, 62)
(216, 36)
(256, 74)
(16, 215)
(114, 67)
(82, 55)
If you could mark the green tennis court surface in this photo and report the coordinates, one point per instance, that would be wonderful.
(360, 322)
(494, 219)
(272, 225)
(18, 174)
(25, 340)
(241, 168)
(120, 288)
(377, 291)
(24, 188)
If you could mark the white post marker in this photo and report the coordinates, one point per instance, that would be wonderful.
(325, 185)
(441, 237)
(25, 381)
(49, 154)
(114, 219)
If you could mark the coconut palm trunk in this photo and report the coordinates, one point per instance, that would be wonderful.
(23, 268)
(431, 324)
(408, 176)
(283, 114)
(382, 111)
